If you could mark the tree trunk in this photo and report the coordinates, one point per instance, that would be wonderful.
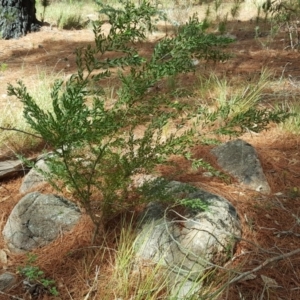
(17, 17)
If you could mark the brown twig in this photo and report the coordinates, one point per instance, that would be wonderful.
(22, 131)
(11, 296)
(287, 232)
(265, 263)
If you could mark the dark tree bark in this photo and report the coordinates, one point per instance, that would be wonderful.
(17, 17)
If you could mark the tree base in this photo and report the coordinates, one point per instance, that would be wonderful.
(17, 18)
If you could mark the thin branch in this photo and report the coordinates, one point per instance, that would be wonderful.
(253, 244)
(11, 296)
(287, 232)
(188, 252)
(93, 286)
(22, 131)
(265, 263)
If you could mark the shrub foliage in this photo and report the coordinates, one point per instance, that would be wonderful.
(98, 142)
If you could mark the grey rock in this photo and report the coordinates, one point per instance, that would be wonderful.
(241, 160)
(34, 178)
(190, 245)
(37, 220)
(154, 211)
(10, 168)
(7, 280)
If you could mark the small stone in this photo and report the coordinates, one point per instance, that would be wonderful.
(38, 219)
(195, 62)
(7, 280)
(241, 160)
(3, 257)
(34, 178)
(207, 174)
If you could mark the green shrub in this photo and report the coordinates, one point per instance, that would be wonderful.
(70, 21)
(285, 15)
(98, 145)
(35, 276)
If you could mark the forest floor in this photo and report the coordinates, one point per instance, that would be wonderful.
(270, 223)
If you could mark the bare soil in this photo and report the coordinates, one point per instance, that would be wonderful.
(270, 224)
